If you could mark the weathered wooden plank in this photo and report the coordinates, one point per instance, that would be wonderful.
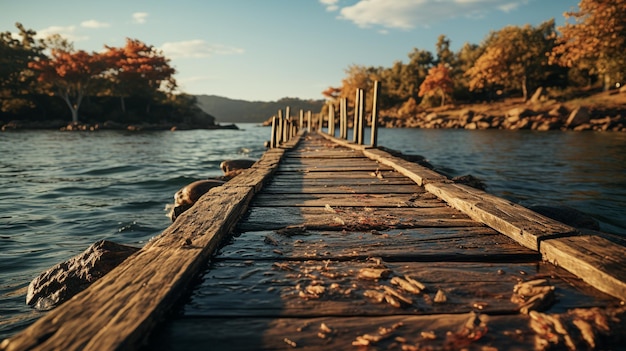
(420, 174)
(467, 331)
(323, 161)
(285, 188)
(323, 154)
(521, 224)
(349, 218)
(598, 261)
(345, 200)
(331, 168)
(465, 244)
(331, 176)
(319, 288)
(288, 180)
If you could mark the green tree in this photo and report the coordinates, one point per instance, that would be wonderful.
(593, 39)
(465, 59)
(444, 54)
(16, 79)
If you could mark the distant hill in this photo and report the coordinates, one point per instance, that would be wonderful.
(242, 111)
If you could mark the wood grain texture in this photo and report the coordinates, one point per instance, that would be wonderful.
(523, 225)
(596, 260)
(359, 218)
(461, 244)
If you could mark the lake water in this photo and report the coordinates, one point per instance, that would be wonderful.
(60, 192)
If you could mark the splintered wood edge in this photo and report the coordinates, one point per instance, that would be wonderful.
(121, 309)
(585, 256)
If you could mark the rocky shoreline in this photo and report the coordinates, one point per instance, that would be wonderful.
(557, 117)
(109, 125)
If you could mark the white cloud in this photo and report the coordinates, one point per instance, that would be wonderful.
(140, 17)
(408, 14)
(197, 49)
(510, 6)
(331, 5)
(67, 32)
(94, 24)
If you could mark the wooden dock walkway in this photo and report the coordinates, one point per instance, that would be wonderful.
(339, 247)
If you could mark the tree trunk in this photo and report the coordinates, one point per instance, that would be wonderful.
(73, 107)
(606, 82)
(525, 87)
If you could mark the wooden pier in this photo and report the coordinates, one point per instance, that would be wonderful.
(329, 245)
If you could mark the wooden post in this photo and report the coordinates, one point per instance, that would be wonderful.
(285, 134)
(279, 132)
(374, 140)
(356, 116)
(343, 120)
(309, 125)
(331, 119)
(289, 122)
(361, 116)
(273, 134)
(301, 119)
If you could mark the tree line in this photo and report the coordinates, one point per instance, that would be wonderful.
(589, 50)
(130, 84)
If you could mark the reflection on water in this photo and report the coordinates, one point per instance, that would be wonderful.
(60, 192)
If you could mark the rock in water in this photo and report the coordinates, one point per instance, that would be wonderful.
(187, 196)
(470, 180)
(59, 283)
(234, 165)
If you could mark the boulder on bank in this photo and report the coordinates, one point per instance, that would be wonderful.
(577, 117)
(59, 283)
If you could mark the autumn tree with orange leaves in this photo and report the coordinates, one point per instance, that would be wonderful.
(138, 69)
(71, 74)
(437, 83)
(514, 58)
(594, 39)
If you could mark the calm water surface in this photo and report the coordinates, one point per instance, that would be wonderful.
(60, 192)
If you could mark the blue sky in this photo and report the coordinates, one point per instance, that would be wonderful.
(262, 50)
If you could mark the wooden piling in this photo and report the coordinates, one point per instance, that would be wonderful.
(361, 116)
(355, 126)
(374, 137)
(309, 125)
(273, 133)
(343, 111)
(331, 119)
